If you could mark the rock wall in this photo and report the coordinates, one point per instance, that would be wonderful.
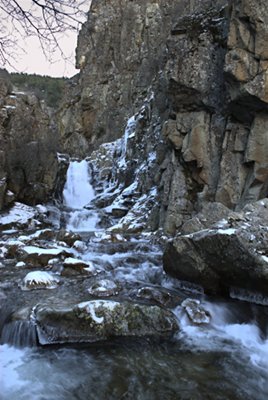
(28, 144)
(206, 63)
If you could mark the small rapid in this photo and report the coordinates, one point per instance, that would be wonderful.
(234, 328)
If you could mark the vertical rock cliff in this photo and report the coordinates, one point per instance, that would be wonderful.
(204, 65)
(28, 144)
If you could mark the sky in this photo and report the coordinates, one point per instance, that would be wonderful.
(32, 59)
(29, 57)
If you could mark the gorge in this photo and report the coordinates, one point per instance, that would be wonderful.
(134, 222)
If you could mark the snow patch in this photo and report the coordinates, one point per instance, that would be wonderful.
(39, 279)
(20, 264)
(40, 251)
(91, 307)
(230, 231)
(18, 214)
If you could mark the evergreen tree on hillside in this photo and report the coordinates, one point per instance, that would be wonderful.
(44, 87)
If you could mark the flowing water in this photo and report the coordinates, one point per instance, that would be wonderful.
(77, 193)
(226, 359)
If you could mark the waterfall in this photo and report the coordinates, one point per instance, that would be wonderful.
(19, 334)
(78, 193)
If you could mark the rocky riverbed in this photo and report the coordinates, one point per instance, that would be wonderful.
(108, 290)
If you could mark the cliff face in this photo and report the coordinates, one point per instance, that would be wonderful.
(121, 50)
(205, 65)
(28, 162)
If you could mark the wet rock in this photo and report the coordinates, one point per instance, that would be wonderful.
(119, 212)
(196, 312)
(154, 294)
(80, 246)
(13, 248)
(68, 237)
(104, 288)
(111, 237)
(39, 280)
(101, 320)
(72, 265)
(38, 256)
(44, 234)
(210, 215)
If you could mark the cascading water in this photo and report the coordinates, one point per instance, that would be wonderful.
(78, 193)
(223, 360)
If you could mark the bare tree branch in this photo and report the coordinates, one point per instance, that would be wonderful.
(45, 19)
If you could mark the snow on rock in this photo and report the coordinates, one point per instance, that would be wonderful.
(230, 231)
(41, 209)
(96, 320)
(104, 288)
(39, 280)
(136, 219)
(18, 215)
(68, 237)
(38, 256)
(10, 231)
(3, 251)
(79, 265)
(223, 258)
(79, 245)
(40, 251)
(53, 261)
(20, 264)
(196, 312)
(13, 247)
(104, 237)
(41, 234)
(24, 238)
(124, 173)
(92, 307)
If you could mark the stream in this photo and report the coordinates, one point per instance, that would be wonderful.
(224, 359)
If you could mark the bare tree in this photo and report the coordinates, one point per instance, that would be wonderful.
(45, 19)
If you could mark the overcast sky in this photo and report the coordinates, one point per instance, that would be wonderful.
(32, 59)
(29, 57)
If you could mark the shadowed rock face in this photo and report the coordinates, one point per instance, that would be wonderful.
(28, 144)
(206, 64)
(122, 50)
(232, 255)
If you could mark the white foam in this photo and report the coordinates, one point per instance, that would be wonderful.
(221, 334)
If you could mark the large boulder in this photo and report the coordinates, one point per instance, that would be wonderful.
(98, 320)
(220, 259)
